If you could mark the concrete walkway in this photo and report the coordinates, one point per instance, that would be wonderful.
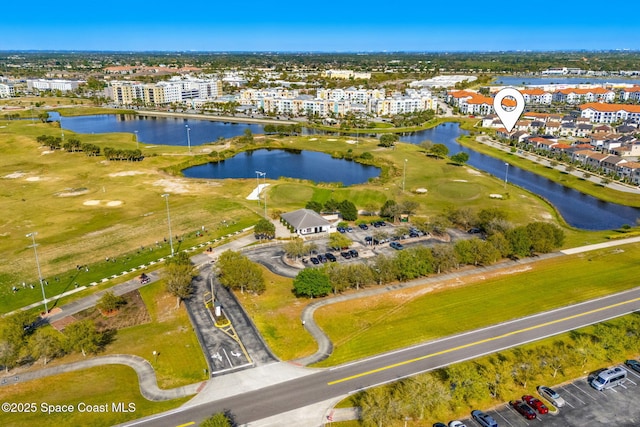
(146, 376)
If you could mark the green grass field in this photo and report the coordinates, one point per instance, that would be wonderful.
(365, 327)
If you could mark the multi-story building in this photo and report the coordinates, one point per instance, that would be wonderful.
(6, 90)
(61, 85)
(178, 89)
(630, 94)
(575, 96)
(598, 112)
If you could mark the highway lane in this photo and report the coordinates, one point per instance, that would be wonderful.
(388, 367)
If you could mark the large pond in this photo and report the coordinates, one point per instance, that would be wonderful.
(157, 130)
(311, 165)
(578, 209)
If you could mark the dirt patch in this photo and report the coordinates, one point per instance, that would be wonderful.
(133, 312)
(91, 202)
(14, 175)
(126, 173)
(473, 172)
(172, 186)
(63, 323)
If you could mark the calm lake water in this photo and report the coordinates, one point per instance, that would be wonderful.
(578, 210)
(311, 165)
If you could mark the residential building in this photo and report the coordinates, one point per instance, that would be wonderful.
(6, 90)
(610, 113)
(61, 85)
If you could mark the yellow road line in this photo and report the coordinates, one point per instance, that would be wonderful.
(449, 350)
(187, 424)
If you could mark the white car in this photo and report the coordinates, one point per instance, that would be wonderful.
(551, 396)
(456, 424)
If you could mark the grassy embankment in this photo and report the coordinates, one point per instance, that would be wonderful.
(367, 326)
(180, 362)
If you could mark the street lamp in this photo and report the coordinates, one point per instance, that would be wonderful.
(264, 176)
(404, 174)
(258, 173)
(137, 144)
(35, 251)
(188, 136)
(61, 130)
(166, 198)
(506, 174)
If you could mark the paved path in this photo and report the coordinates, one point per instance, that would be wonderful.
(146, 376)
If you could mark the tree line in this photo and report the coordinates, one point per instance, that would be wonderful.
(498, 240)
(21, 342)
(74, 145)
(499, 377)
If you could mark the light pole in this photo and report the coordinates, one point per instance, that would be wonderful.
(61, 130)
(506, 174)
(404, 174)
(137, 144)
(35, 251)
(166, 198)
(258, 173)
(264, 177)
(188, 136)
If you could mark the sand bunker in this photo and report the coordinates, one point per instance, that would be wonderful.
(313, 139)
(33, 178)
(473, 171)
(109, 203)
(331, 139)
(74, 192)
(15, 175)
(47, 152)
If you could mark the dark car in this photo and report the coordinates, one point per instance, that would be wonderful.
(322, 258)
(523, 409)
(345, 255)
(439, 425)
(354, 253)
(363, 226)
(314, 260)
(341, 230)
(368, 240)
(536, 404)
(330, 257)
(397, 246)
(633, 364)
(485, 420)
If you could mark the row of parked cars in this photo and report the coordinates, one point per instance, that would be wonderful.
(530, 407)
(329, 257)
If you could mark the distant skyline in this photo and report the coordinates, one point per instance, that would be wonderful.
(353, 26)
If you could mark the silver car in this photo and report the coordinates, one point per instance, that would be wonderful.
(551, 396)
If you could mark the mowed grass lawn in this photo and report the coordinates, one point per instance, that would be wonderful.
(367, 326)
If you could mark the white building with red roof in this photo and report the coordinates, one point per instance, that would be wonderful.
(598, 112)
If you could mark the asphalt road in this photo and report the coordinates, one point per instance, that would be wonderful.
(388, 367)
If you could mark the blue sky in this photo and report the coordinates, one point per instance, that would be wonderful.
(354, 25)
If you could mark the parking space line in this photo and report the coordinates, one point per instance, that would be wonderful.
(580, 389)
(573, 395)
(632, 373)
(499, 414)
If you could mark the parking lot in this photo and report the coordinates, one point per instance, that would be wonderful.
(585, 406)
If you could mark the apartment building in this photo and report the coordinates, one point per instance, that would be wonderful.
(6, 90)
(61, 85)
(575, 96)
(175, 90)
(609, 113)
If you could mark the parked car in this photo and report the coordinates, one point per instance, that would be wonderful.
(314, 260)
(633, 364)
(551, 396)
(456, 423)
(363, 226)
(341, 230)
(523, 409)
(439, 425)
(368, 240)
(536, 404)
(354, 253)
(349, 229)
(397, 246)
(485, 420)
(322, 258)
(330, 257)
(345, 255)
